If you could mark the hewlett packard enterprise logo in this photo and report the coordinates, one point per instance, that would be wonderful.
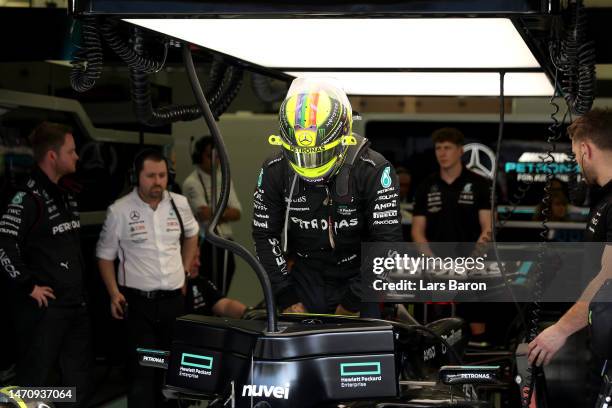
(356, 375)
(195, 365)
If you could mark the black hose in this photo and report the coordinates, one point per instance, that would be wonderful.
(266, 89)
(500, 136)
(232, 84)
(143, 105)
(225, 189)
(87, 61)
(131, 57)
(214, 84)
(574, 58)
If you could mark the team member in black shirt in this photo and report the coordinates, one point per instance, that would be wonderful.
(591, 136)
(41, 258)
(452, 205)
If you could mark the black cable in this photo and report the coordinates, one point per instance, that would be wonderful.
(574, 57)
(232, 84)
(131, 57)
(87, 60)
(142, 102)
(215, 77)
(500, 135)
(225, 189)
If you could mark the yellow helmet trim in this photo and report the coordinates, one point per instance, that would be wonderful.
(315, 172)
(7, 391)
(345, 140)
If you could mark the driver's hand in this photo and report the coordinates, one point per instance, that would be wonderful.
(42, 294)
(340, 310)
(296, 308)
(544, 347)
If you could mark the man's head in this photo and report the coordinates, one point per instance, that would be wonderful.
(151, 170)
(315, 128)
(54, 149)
(558, 206)
(591, 136)
(405, 180)
(448, 143)
(202, 153)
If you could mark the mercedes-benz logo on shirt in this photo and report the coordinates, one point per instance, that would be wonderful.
(134, 215)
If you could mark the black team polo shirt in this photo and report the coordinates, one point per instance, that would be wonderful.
(452, 209)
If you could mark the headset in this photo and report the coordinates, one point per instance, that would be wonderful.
(137, 164)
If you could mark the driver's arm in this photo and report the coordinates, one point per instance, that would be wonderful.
(268, 221)
(382, 217)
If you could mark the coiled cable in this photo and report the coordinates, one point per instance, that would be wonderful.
(131, 57)
(141, 98)
(229, 90)
(574, 57)
(87, 60)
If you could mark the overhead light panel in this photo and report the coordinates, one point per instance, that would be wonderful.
(438, 83)
(355, 43)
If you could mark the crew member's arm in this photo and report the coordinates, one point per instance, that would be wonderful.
(483, 203)
(194, 191)
(419, 226)
(227, 307)
(484, 218)
(15, 225)
(189, 247)
(544, 347)
(106, 251)
(268, 221)
(419, 221)
(222, 306)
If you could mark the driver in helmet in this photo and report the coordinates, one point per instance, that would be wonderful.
(322, 195)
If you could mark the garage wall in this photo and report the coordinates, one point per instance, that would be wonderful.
(246, 137)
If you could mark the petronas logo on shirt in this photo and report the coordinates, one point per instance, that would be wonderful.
(260, 178)
(18, 198)
(385, 179)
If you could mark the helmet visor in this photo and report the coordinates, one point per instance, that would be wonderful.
(313, 157)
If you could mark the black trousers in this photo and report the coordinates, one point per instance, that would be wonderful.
(8, 344)
(52, 336)
(149, 325)
(223, 258)
(320, 294)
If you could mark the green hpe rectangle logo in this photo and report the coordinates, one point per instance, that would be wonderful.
(366, 368)
(194, 357)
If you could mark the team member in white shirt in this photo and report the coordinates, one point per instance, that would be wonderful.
(154, 234)
(197, 189)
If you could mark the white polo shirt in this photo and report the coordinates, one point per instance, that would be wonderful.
(197, 188)
(146, 241)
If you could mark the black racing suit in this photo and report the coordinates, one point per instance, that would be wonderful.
(40, 245)
(326, 272)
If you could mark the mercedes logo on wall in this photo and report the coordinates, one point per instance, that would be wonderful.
(481, 159)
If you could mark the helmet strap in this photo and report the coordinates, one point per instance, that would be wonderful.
(344, 170)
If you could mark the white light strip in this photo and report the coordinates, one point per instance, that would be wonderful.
(357, 43)
(437, 83)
